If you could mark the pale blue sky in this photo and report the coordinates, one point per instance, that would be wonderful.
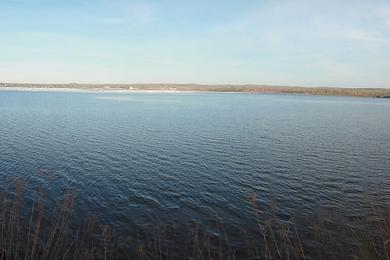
(343, 43)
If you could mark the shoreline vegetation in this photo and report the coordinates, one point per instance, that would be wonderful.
(253, 89)
(32, 229)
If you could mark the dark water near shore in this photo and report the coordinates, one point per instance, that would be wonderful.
(135, 159)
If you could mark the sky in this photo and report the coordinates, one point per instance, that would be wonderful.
(332, 43)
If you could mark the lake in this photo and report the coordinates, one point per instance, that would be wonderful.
(148, 158)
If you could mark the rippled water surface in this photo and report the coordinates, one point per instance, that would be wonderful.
(140, 158)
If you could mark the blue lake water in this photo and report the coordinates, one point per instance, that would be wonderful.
(134, 159)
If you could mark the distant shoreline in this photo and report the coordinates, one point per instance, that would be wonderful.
(92, 90)
(189, 88)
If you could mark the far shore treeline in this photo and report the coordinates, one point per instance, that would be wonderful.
(326, 91)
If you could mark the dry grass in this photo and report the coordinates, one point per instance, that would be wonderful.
(47, 235)
(42, 233)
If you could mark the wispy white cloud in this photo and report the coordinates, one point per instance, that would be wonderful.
(306, 22)
(141, 11)
(310, 41)
(359, 35)
(129, 12)
(112, 20)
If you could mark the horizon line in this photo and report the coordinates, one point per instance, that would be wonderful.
(196, 84)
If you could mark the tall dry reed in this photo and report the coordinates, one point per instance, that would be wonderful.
(32, 230)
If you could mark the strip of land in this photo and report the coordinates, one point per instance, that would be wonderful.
(325, 91)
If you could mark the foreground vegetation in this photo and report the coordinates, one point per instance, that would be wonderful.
(359, 92)
(30, 230)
